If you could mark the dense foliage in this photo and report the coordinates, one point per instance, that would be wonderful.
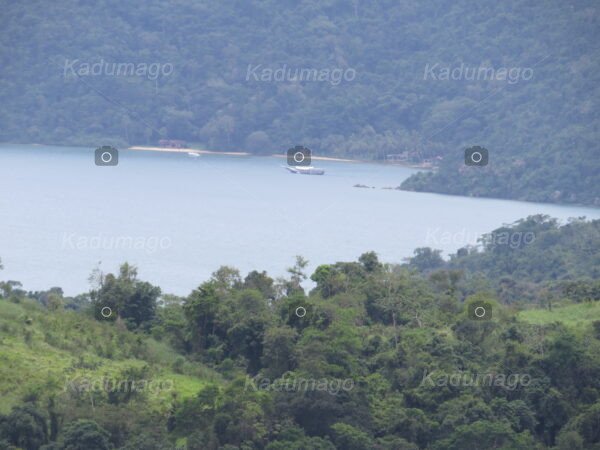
(538, 118)
(533, 259)
(534, 175)
(381, 357)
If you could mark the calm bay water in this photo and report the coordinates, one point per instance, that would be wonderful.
(179, 218)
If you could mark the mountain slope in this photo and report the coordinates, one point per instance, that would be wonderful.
(208, 73)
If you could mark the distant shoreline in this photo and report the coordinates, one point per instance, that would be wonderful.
(367, 161)
(228, 153)
(213, 152)
(326, 158)
(186, 150)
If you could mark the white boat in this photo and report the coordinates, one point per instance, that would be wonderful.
(305, 170)
(193, 154)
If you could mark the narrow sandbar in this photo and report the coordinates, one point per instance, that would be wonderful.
(186, 150)
(323, 158)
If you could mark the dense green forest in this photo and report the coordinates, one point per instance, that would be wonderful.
(374, 356)
(534, 176)
(532, 259)
(380, 78)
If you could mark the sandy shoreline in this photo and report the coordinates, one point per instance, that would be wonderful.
(186, 150)
(212, 152)
(324, 158)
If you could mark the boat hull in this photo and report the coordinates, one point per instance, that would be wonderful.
(305, 170)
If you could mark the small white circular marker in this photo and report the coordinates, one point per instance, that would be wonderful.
(106, 312)
(476, 157)
(298, 157)
(106, 157)
(300, 311)
(479, 311)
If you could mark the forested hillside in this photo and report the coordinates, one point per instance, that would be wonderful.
(374, 357)
(533, 259)
(354, 79)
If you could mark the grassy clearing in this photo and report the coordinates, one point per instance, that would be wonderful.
(42, 352)
(576, 315)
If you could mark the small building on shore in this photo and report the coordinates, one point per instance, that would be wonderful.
(172, 143)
